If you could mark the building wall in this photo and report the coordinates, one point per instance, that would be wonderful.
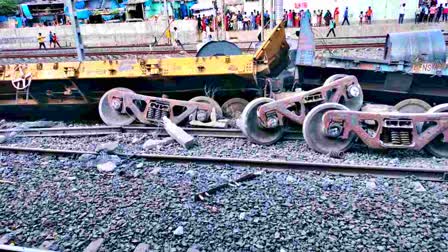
(382, 9)
(112, 34)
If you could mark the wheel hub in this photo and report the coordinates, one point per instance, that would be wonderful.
(353, 91)
(272, 121)
(334, 130)
(116, 103)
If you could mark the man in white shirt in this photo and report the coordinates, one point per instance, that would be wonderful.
(402, 12)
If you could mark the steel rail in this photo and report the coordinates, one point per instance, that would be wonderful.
(41, 54)
(275, 165)
(108, 130)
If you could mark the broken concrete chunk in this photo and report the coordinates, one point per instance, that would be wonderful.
(176, 132)
(142, 247)
(107, 147)
(106, 167)
(153, 143)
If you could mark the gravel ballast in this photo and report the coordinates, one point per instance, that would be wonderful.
(71, 202)
(296, 150)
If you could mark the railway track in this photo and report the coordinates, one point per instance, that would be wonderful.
(121, 51)
(273, 165)
(108, 130)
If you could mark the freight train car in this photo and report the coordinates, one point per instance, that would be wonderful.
(413, 66)
(219, 70)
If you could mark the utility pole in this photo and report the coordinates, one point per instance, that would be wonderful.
(271, 14)
(215, 18)
(223, 18)
(76, 30)
(262, 20)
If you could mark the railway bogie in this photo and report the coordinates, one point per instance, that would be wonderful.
(329, 125)
(121, 106)
(262, 118)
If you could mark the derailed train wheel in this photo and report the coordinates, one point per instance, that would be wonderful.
(315, 135)
(110, 113)
(210, 101)
(233, 108)
(218, 48)
(412, 106)
(354, 93)
(250, 125)
(437, 147)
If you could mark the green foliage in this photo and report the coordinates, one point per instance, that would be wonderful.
(8, 7)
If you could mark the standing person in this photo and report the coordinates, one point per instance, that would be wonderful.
(369, 14)
(445, 13)
(56, 41)
(290, 19)
(314, 19)
(239, 18)
(246, 21)
(253, 25)
(41, 41)
(432, 13)
(267, 18)
(327, 18)
(424, 14)
(402, 12)
(258, 19)
(336, 15)
(439, 13)
(296, 17)
(332, 25)
(361, 17)
(345, 17)
(319, 18)
(50, 38)
(417, 14)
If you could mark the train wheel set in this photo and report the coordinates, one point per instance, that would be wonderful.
(333, 117)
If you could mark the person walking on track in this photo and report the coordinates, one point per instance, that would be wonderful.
(41, 40)
(332, 26)
(345, 17)
(55, 41)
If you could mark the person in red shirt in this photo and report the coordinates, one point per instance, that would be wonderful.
(55, 41)
(369, 14)
(432, 13)
(258, 19)
(336, 15)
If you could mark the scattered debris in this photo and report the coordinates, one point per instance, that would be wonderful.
(179, 231)
(202, 195)
(142, 247)
(153, 143)
(418, 187)
(371, 184)
(290, 179)
(107, 147)
(94, 246)
(50, 245)
(176, 132)
(155, 171)
(106, 167)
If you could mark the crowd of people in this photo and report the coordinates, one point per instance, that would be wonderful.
(428, 12)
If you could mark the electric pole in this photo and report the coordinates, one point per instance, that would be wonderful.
(76, 30)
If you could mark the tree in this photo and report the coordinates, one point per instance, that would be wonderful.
(8, 7)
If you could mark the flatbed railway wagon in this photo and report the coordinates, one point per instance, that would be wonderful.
(413, 66)
(219, 70)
